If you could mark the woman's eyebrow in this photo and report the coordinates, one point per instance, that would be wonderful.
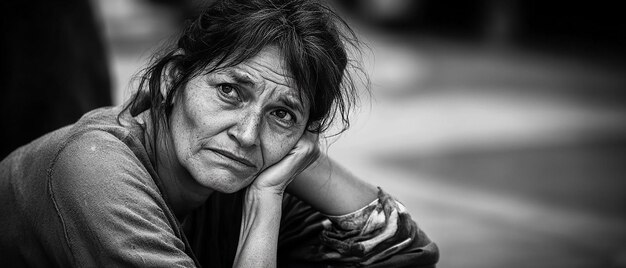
(292, 104)
(239, 77)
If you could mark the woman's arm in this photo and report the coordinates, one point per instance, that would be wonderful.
(262, 207)
(364, 225)
(367, 224)
(331, 189)
(258, 237)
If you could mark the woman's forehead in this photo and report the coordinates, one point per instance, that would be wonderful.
(268, 64)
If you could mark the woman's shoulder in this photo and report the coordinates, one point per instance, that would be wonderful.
(102, 192)
(96, 168)
(103, 143)
(97, 138)
(97, 154)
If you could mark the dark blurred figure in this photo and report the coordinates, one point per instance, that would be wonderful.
(54, 68)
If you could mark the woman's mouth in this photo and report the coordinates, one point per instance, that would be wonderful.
(239, 159)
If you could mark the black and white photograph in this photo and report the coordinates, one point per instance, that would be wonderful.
(313, 133)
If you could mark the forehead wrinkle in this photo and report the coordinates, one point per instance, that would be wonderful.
(274, 75)
(273, 82)
(285, 95)
(239, 76)
(258, 81)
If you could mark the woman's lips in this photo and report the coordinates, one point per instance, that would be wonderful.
(234, 157)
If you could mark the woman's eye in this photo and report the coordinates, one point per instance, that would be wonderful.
(284, 115)
(229, 91)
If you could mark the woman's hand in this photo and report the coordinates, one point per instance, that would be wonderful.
(258, 237)
(276, 177)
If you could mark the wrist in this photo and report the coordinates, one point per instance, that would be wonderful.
(269, 192)
(258, 237)
(267, 201)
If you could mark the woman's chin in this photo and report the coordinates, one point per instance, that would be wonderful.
(225, 181)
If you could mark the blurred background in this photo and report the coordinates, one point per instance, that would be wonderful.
(500, 124)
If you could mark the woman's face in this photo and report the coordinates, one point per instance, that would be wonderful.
(229, 125)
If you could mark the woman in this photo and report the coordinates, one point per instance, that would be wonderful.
(214, 162)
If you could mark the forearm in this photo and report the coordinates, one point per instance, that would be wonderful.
(331, 189)
(258, 237)
(358, 231)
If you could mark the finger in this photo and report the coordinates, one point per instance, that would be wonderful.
(308, 143)
(307, 150)
(304, 152)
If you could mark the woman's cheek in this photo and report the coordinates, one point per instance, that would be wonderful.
(278, 146)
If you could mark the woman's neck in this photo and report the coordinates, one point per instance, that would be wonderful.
(181, 191)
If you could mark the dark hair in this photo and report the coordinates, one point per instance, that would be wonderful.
(313, 40)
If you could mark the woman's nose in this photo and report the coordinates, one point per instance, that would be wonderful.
(246, 131)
